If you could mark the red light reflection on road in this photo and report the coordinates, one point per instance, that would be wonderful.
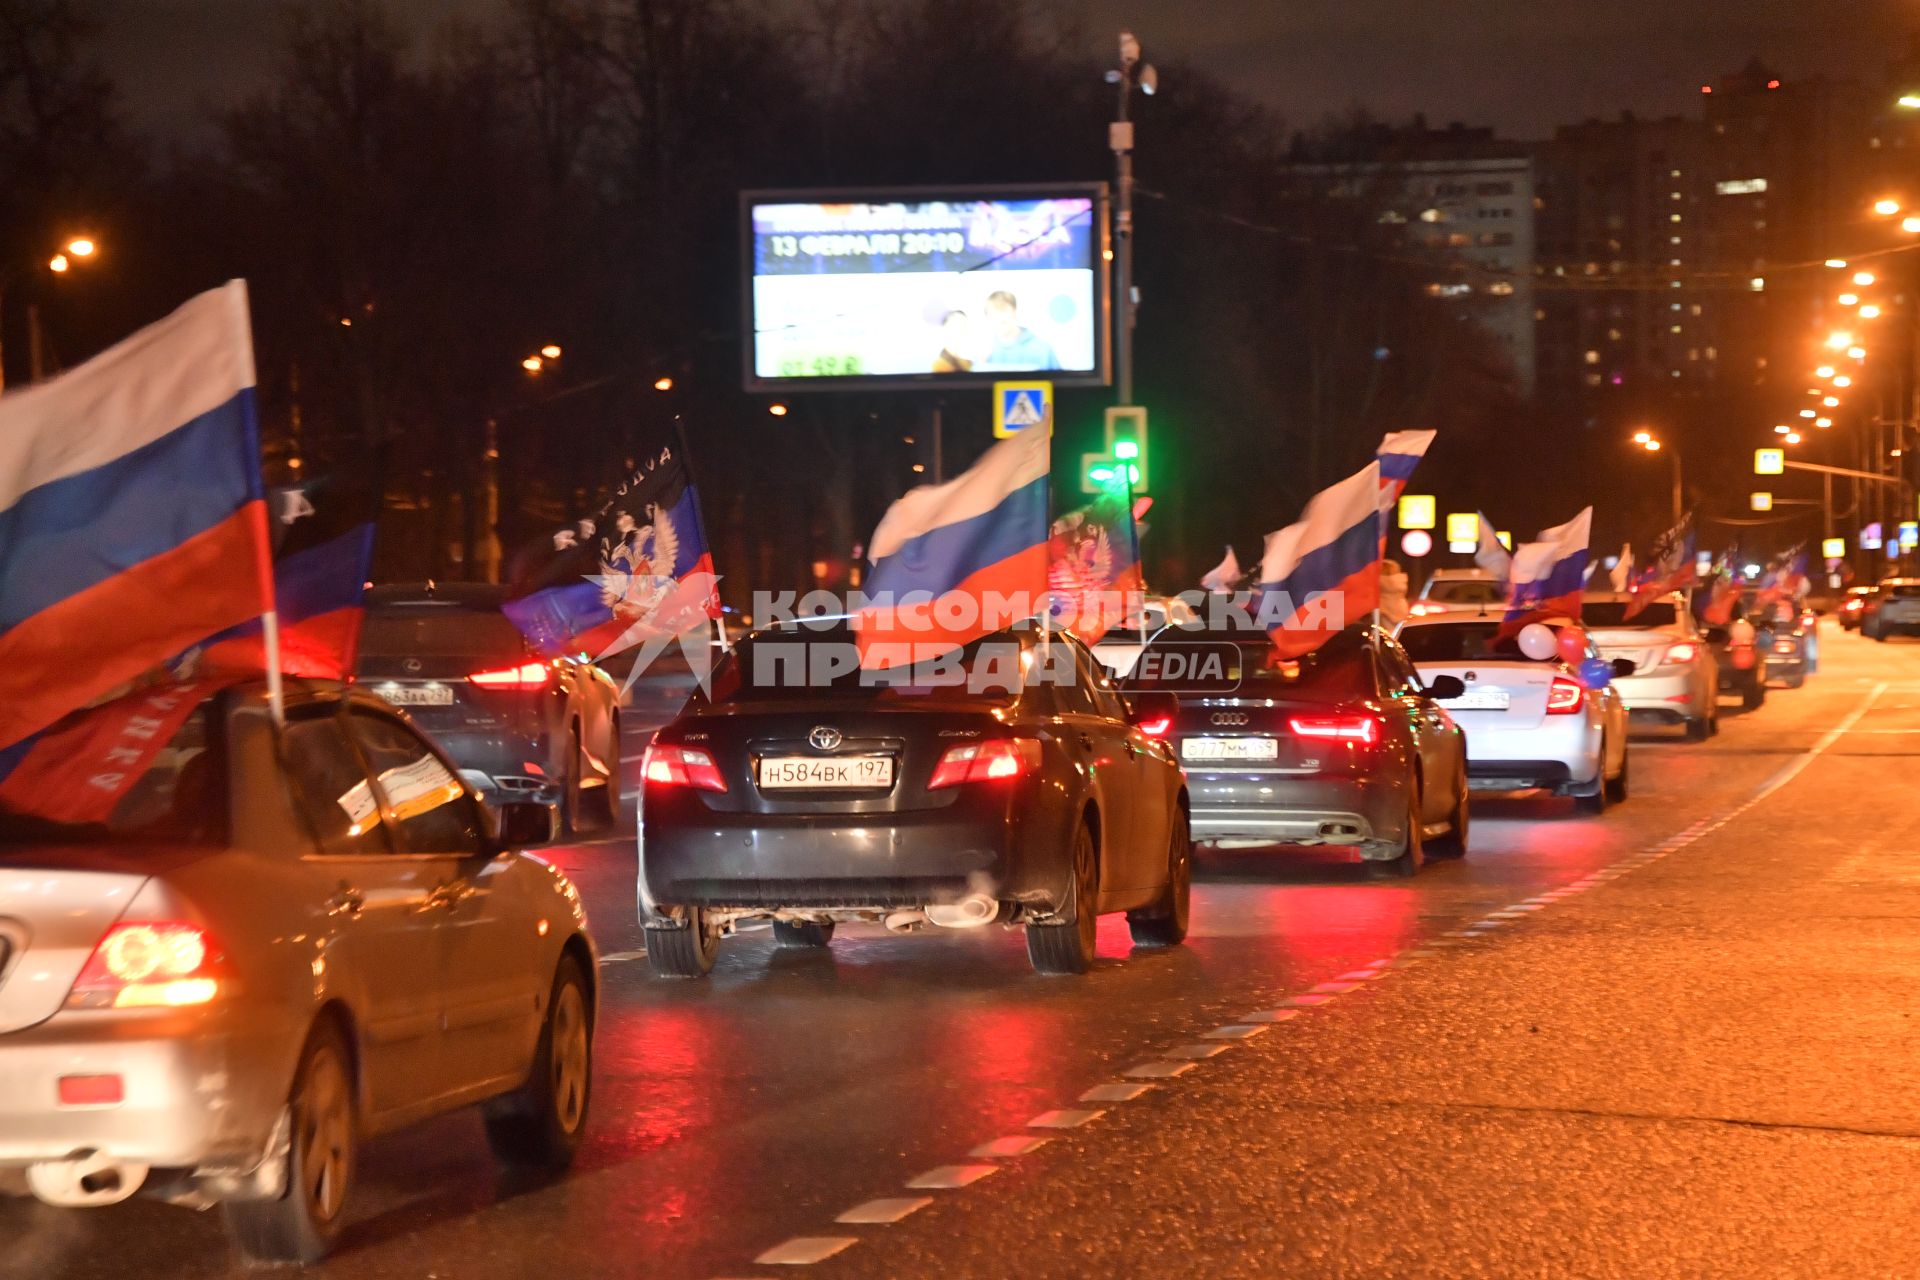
(1000, 1056)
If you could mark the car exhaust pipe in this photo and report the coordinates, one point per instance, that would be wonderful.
(904, 921)
(970, 912)
(90, 1180)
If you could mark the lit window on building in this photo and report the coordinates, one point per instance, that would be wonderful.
(1432, 215)
(1613, 335)
(1674, 217)
(1593, 357)
(1741, 186)
(1501, 288)
(1593, 379)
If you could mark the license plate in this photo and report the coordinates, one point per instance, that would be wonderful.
(417, 695)
(1481, 700)
(1241, 748)
(825, 773)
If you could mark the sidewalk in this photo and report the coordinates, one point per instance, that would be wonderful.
(1708, 1066)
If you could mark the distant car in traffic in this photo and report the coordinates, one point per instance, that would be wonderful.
(1741, 657)
(521, 726)
(1458, 589)
(267, 946)
(1529, 724)
(1853, 607)
(1345, 747)
(1676, 678)
(1894, 610)
(958, 798)
(1788, 635)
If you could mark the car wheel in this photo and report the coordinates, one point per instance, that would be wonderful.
(539, 1125)
(1067, 947)
(802, 933)
(685, 949)
(1797, 679)
(1412, 850)
(1165, 923)
(1753, 695)
(1698, 729)
(1616, 787)
(1454, 843)
(587, 808)
(303, 1223)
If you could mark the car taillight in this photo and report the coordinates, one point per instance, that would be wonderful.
(149, 964)
(1157, 727)
(995, 760)
(671, 766)
(1363, 730)
(528, 675)
(1685, 651)
(1564, 696)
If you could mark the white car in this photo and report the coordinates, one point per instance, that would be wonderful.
(1462, 589)
(1529, 724)
(1676, 678)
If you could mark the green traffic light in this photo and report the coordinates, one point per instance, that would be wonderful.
(1126, 450)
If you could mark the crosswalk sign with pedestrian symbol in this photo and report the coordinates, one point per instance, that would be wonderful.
(1019, 405)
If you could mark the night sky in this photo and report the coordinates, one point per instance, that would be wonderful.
(1522, 65)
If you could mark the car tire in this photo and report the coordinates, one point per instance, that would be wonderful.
(1797, 679)
(302, 1224)
(802, 934)
(587, 809)
(1165, 923)
(1412, 849)
(1699, 729)
(1753, 695)
(539, 1125)
(1067, 947)
(684, 949)
(1453, 844)
(1616, 788)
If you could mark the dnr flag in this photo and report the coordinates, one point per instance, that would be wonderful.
(1093, 567)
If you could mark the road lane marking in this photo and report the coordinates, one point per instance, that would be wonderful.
(1065, 1118)
(884, 1211)
(1196, 1052)
(1234, 1031)
(950, 1177)
(1157, 1070)
(1009, 1147)
(1306, 1001)
(803, 1251)
(1115, 1092)
(620, 957)
(1270, 1015)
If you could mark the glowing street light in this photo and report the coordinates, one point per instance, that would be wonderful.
(1832, 402)
(1838, 264)
(1783, 430)
(1843, 381)
(1857, 353)
(1642, 437)
(82, 247)
(1886, 208)
(663, 383)
(1824, 371)
(1792, 437)
(1823, 423)
(1909, 101)
(550, 351)
(1910, 225)
(777, 410)
(1839, 339)
(1869, 312)
(1808, 413)
(58, 264)
(1849, 299)
(1863, 278)
(533, 364)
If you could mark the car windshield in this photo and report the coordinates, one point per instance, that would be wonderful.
(1903, 590)
(439, 631)
(1464, 591)
(798, 663)
(141, 769)
(1613, 613)
(1237, 661)
(1460, 642)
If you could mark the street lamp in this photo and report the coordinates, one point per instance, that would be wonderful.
(1652, 444)
(77, 249)
(1130, 73)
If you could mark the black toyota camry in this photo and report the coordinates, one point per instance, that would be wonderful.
(1010, 784)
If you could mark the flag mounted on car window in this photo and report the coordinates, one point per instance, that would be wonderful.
(637, 569)
(132, 516)
(1548, 575)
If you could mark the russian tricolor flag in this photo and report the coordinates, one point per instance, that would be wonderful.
(980, 537)
(1323, 574)
(132, 520)
(1399, 453)
(1549, 574)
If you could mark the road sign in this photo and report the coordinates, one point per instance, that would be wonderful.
(1870, 537)
(1019, 405)
(1463, 526)
(1760, 501)
(1769, 462)
(1909, 535)
(1416, 542)
(1417, 511)
(1834, 548)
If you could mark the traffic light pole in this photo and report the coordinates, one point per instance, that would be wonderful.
(1120, 136)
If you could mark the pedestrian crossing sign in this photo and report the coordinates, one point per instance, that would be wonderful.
(1019, 405)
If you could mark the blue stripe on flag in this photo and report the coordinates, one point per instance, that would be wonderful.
(942, 558)
(1327, 566)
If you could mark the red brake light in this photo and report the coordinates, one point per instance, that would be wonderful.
(528, 675)
(1362, 729)
(1685, 651)
(994, 760)
(1564, 697)
(1158, 727)
(671, 766)
(149, 964)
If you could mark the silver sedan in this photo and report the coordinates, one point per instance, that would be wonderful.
(231, 951)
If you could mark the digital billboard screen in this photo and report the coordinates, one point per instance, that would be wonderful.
(918, 288)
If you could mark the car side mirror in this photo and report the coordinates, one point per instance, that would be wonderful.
(1153, 712)
(1623, 667)
(526, 822)
(1446, 688)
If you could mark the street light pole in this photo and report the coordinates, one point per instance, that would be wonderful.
(1130, 72)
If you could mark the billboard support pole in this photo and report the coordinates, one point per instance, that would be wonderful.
(939, 452)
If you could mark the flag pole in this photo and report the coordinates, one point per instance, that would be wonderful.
(237, 296)
(700, 519)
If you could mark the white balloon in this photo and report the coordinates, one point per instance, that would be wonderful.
(1538, 642)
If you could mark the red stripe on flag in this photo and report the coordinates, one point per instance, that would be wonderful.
(96, 640)
(80, 772)
(320, 648)
(903, 636)
(1315, 622)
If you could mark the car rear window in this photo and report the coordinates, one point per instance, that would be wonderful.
(1460, 642)
(439, 631)
(1613, 613)
(1339, 671)
(1464, 591)
(802, 663)
(1904, 590)
(143, 768)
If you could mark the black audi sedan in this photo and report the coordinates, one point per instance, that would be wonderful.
(1008, 784)
(521, 726)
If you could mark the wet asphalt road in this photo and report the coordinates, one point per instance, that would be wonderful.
(1703, 1066)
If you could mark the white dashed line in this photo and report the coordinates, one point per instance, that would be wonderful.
(1158, 1070)
(1195, 1052)
(948, 1177)
(1235, 1031)
(1270, 1015)
(1009, 1147)
(1114, 1092)
(803, 1251)
(884, 1211)
(1064, 1118)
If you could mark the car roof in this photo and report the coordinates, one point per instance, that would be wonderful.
(1622, 597)
(1460, 575)
(469, 595)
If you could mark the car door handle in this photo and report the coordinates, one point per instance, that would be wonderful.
(346, 901)
(1086, 741)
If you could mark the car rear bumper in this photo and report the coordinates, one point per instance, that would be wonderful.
(1364, 814)
(1663, 696)
(1559, 752)
(195, 1096)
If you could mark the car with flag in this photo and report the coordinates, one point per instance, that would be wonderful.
(1893, 611)
(1530, 723)
(1343, 746)
(1466, 589)
(1676, 677)
(235, 945)
(1007, 782)
(520, 725)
